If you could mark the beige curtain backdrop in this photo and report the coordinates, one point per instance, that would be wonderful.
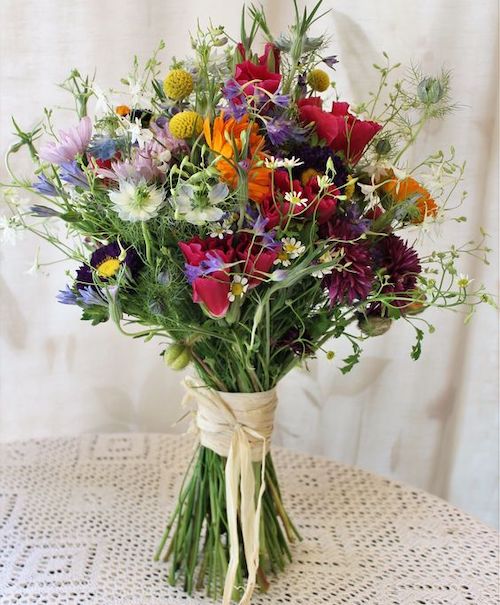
(432, 424)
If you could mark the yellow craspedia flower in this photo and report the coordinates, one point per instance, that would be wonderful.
(318, 80)
(186, 124)
(307, 175)
(178, 84)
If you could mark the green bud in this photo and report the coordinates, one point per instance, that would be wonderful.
(430, 90)
(383, 146)
(374, 326)
(177, 356)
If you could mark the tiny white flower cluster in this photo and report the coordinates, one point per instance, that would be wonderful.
(274, 163)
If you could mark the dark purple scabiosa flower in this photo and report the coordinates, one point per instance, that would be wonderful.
(44, 186)
(400, 266)
(72, 174)
(105, 263)
(351, 280)
(315, 158)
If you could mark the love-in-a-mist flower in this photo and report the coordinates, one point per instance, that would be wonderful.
(238, 287)
(71, 143)
(136, 202)
(291, 248)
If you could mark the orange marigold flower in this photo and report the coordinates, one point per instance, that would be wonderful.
(401, 189)
(123, 110)
(223, 136)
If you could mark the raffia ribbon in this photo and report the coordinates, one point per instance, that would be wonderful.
(238, 426)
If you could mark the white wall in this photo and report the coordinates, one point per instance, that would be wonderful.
(433, 423)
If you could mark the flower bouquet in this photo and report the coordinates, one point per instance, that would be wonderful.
(234, 207)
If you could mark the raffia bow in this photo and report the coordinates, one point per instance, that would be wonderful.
(239, 426)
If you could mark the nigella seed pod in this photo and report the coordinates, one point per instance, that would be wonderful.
(374, 326)
(430, 91)
(177, 356)
(163, 278)
(383, 147)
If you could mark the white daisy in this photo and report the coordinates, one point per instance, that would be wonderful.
(326, 257)
(239, 286)
(292, 162)
(291, 249)
(464, 280)
(295, 198)
(222, 229)
(273, 163)
(136, 202)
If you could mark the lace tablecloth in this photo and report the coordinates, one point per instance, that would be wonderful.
(80, 520)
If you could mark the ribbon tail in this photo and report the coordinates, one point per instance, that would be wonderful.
(232, 473)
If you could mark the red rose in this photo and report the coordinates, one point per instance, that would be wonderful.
(271, 57)
(249, 76)
(355, 135)
(205, 260)
(274, 206)
(256, 260)
(325, 207)
(341, 131)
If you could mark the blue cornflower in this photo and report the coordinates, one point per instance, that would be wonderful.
(102, 148)
(67, 296)
(44, 186)
(71, 173)
(43, 211)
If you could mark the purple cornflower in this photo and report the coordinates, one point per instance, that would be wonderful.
(232, 90)
(72, 174)
(70, 144)
(281, 100)
(44, 186)
(268, 237)
(210, 264)
(359, 224)
(67, 296)
(43, 211)
(280, 130)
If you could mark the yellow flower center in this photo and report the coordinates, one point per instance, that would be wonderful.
(108, 267)
(307, 175)
(289, 249)
(318, 80)
(178, 84)
(237, 289)
(282, 255)
(186, 124)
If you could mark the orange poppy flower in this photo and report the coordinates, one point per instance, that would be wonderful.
(401, 189)
(223, 137)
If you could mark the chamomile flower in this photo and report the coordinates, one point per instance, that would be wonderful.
(324, 181)
(273, 163)
(291, 249)
(292, 162)
(238, 287)
(326, 257)
(464, 281)
(136, 202)
(295, 198)
(221, 229)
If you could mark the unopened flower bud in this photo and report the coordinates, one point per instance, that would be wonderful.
(374, 326)
(383, 146)
(177, 356)
(430, 90)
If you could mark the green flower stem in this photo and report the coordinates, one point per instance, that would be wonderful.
(198, 550)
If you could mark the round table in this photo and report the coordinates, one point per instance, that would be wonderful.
(80, 519)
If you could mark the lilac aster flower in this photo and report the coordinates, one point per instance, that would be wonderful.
(67, 296)
(72, 174)
(192, 272)
(281, 100)
(70, 144)
(232, 90)
(44, 186)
